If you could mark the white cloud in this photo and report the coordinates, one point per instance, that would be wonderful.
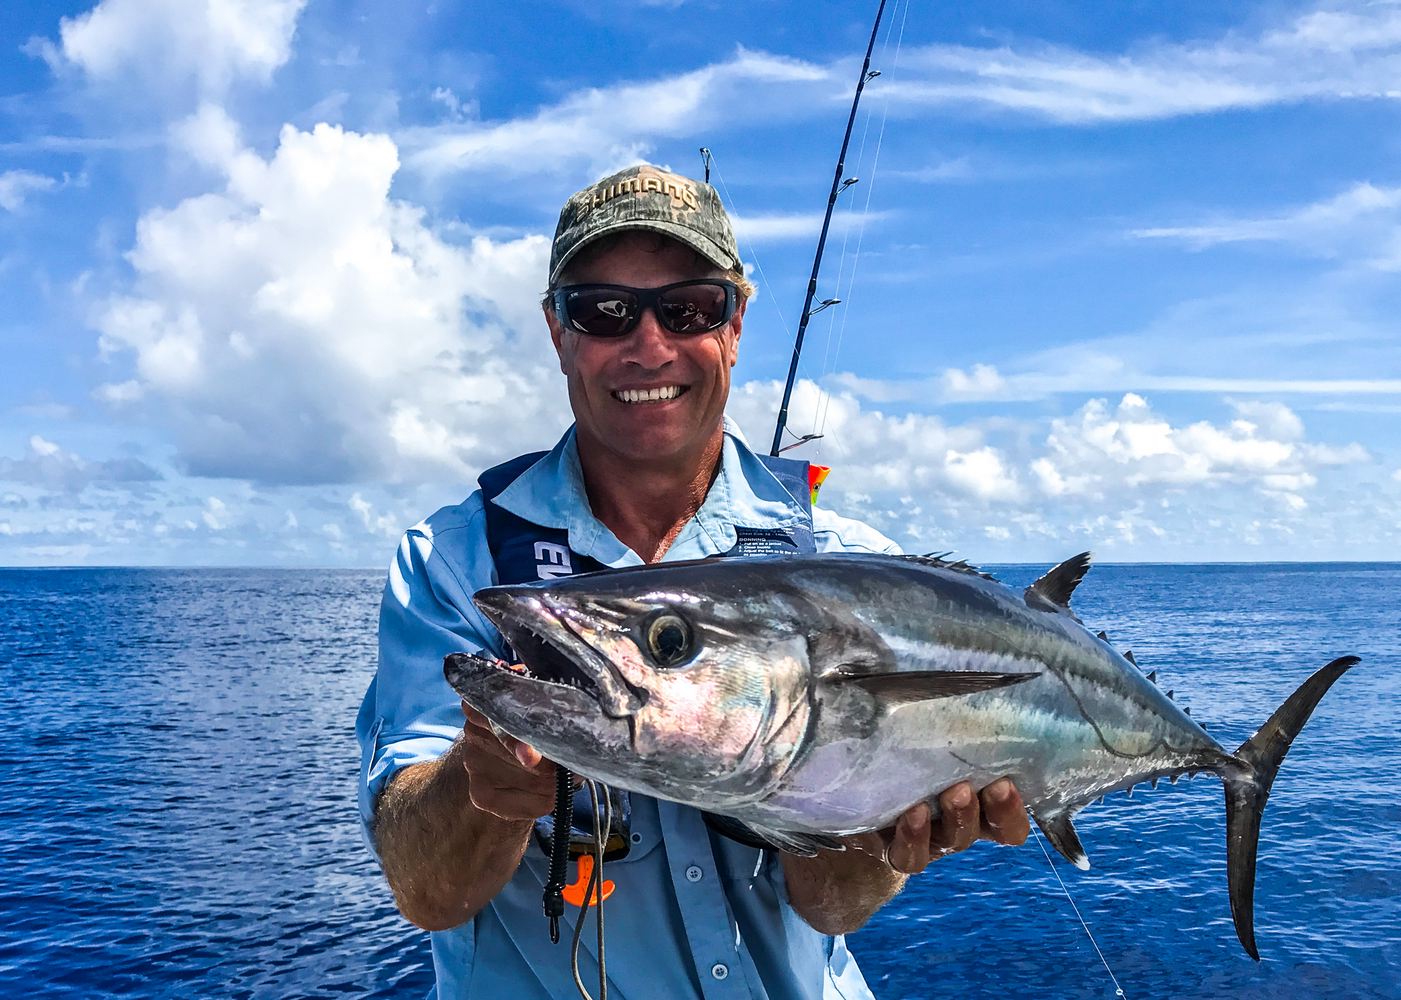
(1099, 451)
(1361, 222)
(214, 513)
(385, 525)
(117, 393)
(1091, 373)
(882, 454)
(795, 226)
(17, 185)
(611, 127)
(171, 42)
(1327, 54)
(46, 464)
(300, 325)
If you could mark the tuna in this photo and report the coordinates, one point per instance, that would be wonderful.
(812, 697)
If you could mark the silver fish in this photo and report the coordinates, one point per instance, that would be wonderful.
(810, 697)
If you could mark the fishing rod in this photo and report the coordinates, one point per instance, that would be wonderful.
(838, 186)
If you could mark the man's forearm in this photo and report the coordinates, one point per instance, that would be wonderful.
(444, 858)
(838, 891)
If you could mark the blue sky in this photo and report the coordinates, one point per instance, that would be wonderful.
(1127, 276)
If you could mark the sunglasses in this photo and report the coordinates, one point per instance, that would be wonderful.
(696, 306)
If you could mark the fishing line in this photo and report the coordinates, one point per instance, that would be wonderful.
(820, 424)
(602, 827)
(1118, 990)
(749, 248)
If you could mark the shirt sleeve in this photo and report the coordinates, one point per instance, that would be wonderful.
(410, 713)
(834, 533)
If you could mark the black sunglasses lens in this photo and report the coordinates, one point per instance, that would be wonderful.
(693, 308)
(600, 312)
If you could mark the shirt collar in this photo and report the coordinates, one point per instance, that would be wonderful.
(551, 494)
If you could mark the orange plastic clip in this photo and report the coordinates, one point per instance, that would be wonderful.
(574, 894)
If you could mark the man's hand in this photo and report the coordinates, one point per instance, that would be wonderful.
(997, 814)
(451, 832)
(506, 778)
(837, 891)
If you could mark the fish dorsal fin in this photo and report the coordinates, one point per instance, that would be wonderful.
(1058, 583)
(940, 560)
(1061, 833)
(923, 685)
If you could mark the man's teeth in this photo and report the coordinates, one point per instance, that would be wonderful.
(648, 395)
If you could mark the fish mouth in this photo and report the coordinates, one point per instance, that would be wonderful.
(552, 651)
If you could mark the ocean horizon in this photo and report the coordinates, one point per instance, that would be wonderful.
(179, 766)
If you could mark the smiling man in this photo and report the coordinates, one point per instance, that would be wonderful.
(645, 309)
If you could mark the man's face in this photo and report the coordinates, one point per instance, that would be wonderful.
(599, 370)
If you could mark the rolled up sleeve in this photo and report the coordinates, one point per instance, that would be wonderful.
(410, 713)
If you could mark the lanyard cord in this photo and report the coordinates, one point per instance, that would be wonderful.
(559, 849)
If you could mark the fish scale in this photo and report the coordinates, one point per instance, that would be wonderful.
(816, 696)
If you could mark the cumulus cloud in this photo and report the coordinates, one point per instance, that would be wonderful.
(17, 185)
(384, 525)
(211, 43)
(214, 514)
(1099, 450)
(1322, 54)
(1117, 477)
(300, 325)
(883, 454)
(48, 465)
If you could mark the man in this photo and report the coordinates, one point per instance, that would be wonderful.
(646, 306)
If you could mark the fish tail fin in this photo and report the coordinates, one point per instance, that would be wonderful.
(1248, 779)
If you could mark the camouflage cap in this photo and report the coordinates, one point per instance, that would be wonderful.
(645, 197)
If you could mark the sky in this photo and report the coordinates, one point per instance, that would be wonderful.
(1113, 277)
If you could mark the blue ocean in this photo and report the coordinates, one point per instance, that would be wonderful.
(177, 773)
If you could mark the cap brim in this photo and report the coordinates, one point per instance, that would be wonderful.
(703, 245)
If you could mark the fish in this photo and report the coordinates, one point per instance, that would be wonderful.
(811, 697)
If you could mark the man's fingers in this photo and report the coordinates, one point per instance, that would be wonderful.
(525, 755)
(959, 822)
(1004, 814)
(909, 850)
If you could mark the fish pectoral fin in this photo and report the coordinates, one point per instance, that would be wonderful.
(923, 685)
(1058, 829)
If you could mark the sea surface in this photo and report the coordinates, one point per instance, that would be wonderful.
(177, 819)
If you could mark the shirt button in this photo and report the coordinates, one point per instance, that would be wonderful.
(637, 838)
(720, 971)
(694, 874)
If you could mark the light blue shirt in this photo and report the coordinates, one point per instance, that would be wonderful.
(692, 914)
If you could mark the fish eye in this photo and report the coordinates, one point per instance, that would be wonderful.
(670, 641)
